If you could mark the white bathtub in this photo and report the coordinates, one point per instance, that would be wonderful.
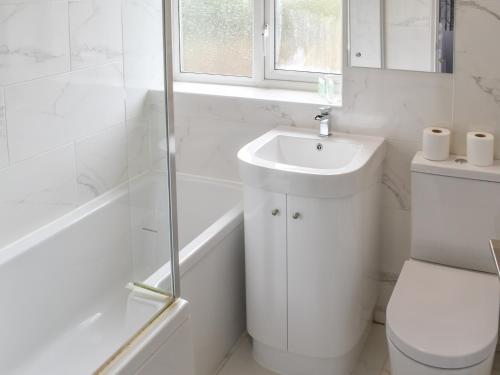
(211, 265)
(67, 309)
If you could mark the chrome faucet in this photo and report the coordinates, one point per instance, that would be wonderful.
(324, 121)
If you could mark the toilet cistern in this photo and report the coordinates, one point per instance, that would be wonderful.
(324, 121)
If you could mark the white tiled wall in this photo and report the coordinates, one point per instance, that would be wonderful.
(51, 111)
(36, 191)
(477, 78)
(142, 44)
(101, 162)
(64, 134)
(34, 39)
(393, 104)
(96, 32)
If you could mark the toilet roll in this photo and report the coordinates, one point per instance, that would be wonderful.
(480, 148)
(436, 144)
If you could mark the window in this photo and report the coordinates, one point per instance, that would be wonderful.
(216, 37)
(257, 41)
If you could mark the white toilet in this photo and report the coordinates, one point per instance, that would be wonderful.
(443, 314)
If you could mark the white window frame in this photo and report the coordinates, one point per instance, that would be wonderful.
(264, 73)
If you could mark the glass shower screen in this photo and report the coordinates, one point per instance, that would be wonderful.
(153, 279)
(149, 95)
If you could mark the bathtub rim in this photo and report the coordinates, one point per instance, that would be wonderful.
(28, 242)
(139, 348)
(200, 246)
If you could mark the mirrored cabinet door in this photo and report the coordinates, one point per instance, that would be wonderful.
(402, 34)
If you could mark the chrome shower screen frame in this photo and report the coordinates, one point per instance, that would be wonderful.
(170, 131)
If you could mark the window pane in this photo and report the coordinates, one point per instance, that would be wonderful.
(308, 35)
(216, 36)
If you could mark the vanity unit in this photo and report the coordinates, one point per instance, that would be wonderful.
(311, 236)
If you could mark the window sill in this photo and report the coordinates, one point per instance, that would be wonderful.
(253, 93)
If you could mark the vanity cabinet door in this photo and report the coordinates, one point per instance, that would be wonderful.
(323, 308)
(265, 263)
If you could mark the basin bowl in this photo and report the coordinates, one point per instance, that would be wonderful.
(299, 161)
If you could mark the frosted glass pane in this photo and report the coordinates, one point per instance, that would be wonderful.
(308, 35)
(216, 36)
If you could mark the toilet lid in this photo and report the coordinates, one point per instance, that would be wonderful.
(442, 316)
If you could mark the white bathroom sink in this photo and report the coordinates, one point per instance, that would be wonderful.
(300, 152)
(299, 161)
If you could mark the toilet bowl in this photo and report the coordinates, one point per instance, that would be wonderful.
(442, 320)
(442, 317)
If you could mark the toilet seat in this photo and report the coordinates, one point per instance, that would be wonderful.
(442, 316)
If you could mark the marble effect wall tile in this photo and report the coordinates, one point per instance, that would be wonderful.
(477, 73)
(101, 162)
(396, 179)
(150, 224)
(208, 135)
(50, 112)
(62, 81)
(35, 192)
(251, 111)
(214, 144)
(397, 106)
(393, 104)
(396, 239)
(96, 32)
(4, 147)
(143, 51)
(158, 136)
(138, 146)
(386, 287)
(33, 40)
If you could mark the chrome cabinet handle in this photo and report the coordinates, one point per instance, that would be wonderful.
(296, 215)
(275, 212)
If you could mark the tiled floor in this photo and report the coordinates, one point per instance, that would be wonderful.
(374, 358)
